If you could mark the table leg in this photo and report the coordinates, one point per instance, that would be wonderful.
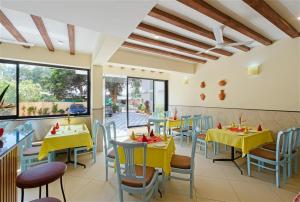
(232, 158)
(70, 161)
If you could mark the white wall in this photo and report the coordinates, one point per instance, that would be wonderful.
(277, 87)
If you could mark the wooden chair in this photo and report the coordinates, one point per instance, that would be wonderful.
(184, 129)
(28, 153)
(277, 159)
(135, 179)
(185, 165)
(84, 150)
(160, 125)
(109, 130)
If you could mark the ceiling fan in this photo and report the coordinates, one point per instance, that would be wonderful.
(218, 33)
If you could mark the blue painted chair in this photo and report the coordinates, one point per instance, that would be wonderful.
(135, 179)
(206, 123)
(277, 159)
(185, 165)
(167, 114)
(28, 153)
(84, 150)
(160, 125)
(109, 131)
(184, 129)
(293, 151)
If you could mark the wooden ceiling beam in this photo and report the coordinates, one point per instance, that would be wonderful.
(42, 29)
(161, 52)
(71, 34)
(271, 15)
(208, 10)
(176, 37)
(179, 22)
(170, 46)
(12, 29)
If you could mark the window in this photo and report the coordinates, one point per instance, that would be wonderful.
(45, 90)
(8, 90)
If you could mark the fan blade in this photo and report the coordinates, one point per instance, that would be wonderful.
(218, 33)
(239, 43)
(206, 51)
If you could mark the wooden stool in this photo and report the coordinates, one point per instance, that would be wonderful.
(48, 199)
(41, 175)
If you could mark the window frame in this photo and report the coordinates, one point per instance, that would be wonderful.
(17, 63)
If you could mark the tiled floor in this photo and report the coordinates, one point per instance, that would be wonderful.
(219, 181)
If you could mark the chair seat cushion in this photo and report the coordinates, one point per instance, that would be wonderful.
(270, 155)
(41, 175)
(36, 144)
(48, 199)
(139, 172)
(201, 136)
(31, 151)
(179, 161)
(111, 154)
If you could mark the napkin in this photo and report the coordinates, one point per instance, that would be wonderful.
(259, 128)
(152, 133)
(53, 131)
(144, 138)
(219, 126)
(57, 126)
(1, 131)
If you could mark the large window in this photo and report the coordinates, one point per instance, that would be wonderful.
(44, 90)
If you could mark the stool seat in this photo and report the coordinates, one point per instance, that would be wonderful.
(48, 199)
(41, 175)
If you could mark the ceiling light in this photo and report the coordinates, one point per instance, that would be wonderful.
(298, 18)
(156, 37)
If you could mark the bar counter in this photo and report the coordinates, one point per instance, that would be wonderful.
(9, 165)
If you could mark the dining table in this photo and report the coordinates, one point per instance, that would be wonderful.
(245, 139)
(66, 137)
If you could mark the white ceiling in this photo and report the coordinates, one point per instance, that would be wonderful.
(85, 39)
(119, 18)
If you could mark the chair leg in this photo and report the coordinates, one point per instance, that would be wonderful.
(94, 154)
(121, 195)
(106, 170)
(191, 185)
(284, 172)
(289, 162)
(205, 149)
(75, 158)
(248, 165)
(62, 189)
(259, 168)
(22, 195)
(47, 190)
(40, 192)
(277, 175)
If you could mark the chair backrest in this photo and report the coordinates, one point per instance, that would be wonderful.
(109, 133)
(207, 123)
(282, 143)
(129, 153)
(95, 131)
(167, 114)
(185, 122)
(194, 142)
(294, 140)
(157, 125)
(156, 115)
(196, 123)
(23, 129)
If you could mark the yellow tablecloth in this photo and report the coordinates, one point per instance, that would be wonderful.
(157, 157)
(66, 137)
(245, 142)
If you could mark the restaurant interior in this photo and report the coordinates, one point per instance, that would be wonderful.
(154, 100)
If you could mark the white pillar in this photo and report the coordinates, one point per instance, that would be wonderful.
(97, 106)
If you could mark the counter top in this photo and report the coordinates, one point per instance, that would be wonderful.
(9, 141)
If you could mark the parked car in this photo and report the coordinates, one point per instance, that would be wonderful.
(108, 111)
(77, 109)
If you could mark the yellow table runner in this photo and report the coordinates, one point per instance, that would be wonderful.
(244, 141)
(157, 157)
(66, 137)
